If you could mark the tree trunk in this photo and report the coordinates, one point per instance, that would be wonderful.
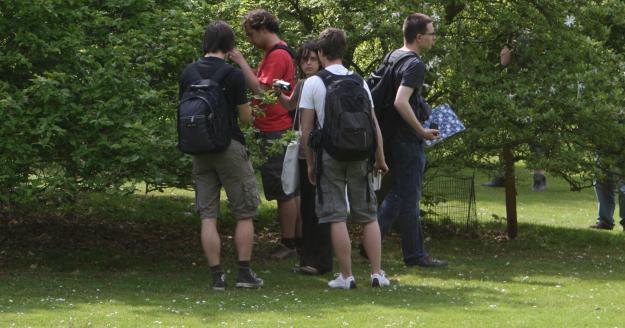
(510, 185)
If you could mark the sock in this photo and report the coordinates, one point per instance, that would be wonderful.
(244, 266)
(298, 242)
(216, 270)
(288, 242)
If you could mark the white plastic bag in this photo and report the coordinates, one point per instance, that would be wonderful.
(290, 167)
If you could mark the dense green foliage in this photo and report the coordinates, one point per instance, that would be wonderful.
(88, 89)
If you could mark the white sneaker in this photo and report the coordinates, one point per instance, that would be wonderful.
(379, 280)
(343, 283)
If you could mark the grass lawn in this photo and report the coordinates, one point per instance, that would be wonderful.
(137, 262)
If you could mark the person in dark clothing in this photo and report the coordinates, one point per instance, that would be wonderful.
(316, 248)
(230, 168)
(406, 153)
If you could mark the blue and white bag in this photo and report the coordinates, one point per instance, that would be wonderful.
(446, 121)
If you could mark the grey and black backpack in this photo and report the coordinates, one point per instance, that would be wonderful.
(204, 116)
(348, 132)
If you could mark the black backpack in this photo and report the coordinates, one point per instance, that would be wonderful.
(348, 132)
(204, 116)
(384, 87)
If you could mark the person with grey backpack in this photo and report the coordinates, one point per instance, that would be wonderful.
(339, 154)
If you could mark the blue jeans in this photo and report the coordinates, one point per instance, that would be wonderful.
(407, 162)
(607, 200)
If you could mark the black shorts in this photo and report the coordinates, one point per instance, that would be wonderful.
(271, 171)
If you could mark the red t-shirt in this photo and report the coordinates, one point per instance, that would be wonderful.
(278, 64)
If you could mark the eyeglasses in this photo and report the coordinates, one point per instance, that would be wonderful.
(430, 33)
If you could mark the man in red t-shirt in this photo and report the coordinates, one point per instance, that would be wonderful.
(262, 28)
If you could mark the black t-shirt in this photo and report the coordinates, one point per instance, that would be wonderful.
(234, 84)
(410, 73)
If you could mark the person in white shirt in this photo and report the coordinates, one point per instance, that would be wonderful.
(335, 175)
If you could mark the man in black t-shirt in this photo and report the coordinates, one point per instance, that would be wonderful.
(231, 168)
(406, 147)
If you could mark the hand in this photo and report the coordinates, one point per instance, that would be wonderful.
(505, 55)
(236, 56)
(430, 134)
(276, 89)
(381, 166)
(312, 177)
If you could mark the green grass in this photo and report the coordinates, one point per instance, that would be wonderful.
(139, 264)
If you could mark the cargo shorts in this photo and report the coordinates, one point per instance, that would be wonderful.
(231, 169)
(335, 177)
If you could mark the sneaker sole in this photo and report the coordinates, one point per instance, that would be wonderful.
(248, 285)
(309, 270)
(283, 256)
(352, 285)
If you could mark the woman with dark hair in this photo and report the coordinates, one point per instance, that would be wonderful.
(316, 247)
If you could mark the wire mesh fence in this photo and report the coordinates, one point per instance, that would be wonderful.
(450, 200)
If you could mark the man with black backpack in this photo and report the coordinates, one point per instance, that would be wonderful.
(345, 140)
(212, 97)
(401, 115)
(262, 28)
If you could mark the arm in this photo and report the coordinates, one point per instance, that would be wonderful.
(250, 78)
(308, 120)
(402, 106)
(245, 114)
(380, 162)
(290, 102)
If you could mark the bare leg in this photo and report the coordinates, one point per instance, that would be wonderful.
(244, 238)
(211, 243)
(288, 211)
(372, 242)
(342, 247)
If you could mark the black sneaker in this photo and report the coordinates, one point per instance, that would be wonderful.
(219, 282)
(428, 262)
(601, 226)
(309, 269)
(248, 279)
(282, 252)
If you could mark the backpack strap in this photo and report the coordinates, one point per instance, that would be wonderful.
(325, 76)
(218, 77)
(387, 58)
(283, 47)
(399, 60)
(222, 73)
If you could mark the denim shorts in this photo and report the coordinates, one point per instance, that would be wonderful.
(231, 169)
(336, 176)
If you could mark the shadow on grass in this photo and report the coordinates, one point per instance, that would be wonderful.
(157, 267)
(539, 251)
